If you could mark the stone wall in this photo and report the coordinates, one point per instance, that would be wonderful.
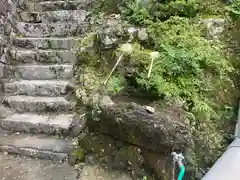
(7, 15)
(7, 30)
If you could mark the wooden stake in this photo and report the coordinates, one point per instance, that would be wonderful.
(113, 69)
(150, 69)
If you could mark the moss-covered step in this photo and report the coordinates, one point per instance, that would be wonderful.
(43, 72)
(54, 16)
(46, 42)
(37, 104)
(58, 5)
(52, 29)
(36, 146)
(42, 56)
(51, 88)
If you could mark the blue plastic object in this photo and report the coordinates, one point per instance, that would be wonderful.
(181, 172)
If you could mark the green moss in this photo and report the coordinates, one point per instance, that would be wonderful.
(107, 6)
(79, 154)
(99, 144)
(189, 69)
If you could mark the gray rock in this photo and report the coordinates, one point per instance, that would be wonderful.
(142, 34)
(215, 27)
(134, 124)
(111, 31)
(4, 111)
(44, 72)
(128, 156)
(78, 125)
(150, 109)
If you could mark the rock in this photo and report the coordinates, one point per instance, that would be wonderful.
(4, 112)
(106, 101)
(99, 144)
(215, 27)
(129, 157)
(158, 164)
(111, 32)
(91, 159)
(132, 30)
(142, 34)
(132, 123)
(150, 109)
(77, 125)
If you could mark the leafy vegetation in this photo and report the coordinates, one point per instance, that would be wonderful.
(189, 68)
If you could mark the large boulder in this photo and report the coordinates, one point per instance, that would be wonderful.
(158, 131)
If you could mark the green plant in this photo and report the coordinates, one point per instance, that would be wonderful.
(234, 10)
(116, 84)
(189, 68)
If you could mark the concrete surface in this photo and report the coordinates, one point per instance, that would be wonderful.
(20, 168)
(36, 146)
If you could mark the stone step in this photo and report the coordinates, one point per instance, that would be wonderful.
(37, 104)
(53, 29)
(39, 146)
(43, 72)
(38, 123)
(37, 88)
(46, 42)
(42, 56)
(58, 5)
(78, 16)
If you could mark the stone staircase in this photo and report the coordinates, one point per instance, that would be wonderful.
(42, 58)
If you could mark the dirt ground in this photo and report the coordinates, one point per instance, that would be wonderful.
(21, 168)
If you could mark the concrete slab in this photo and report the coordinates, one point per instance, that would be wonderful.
(36, 146)
(34, 123)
